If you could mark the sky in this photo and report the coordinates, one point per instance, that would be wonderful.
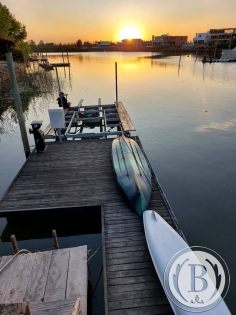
(66, 21)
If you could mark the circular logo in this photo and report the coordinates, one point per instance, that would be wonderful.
(196, 279)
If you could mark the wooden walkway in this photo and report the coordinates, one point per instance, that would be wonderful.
(46, 279)
(79, 174)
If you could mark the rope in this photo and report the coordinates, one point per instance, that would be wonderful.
(97, 282)
(20, 251)
(94, 253)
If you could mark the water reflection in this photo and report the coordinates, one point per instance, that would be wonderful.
(224, 126)
(38, 89)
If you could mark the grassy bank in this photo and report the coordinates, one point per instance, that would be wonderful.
(4, 76)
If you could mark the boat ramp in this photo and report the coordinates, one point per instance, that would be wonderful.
(76, 177)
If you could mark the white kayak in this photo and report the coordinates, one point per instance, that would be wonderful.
(164, 243)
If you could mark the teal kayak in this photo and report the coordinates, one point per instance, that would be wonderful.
(132, 172)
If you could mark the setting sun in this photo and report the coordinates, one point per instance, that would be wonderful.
(129, 32)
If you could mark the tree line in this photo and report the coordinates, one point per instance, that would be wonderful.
(12, 36)
(70, 47)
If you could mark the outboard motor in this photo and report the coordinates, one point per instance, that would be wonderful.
(38, 135)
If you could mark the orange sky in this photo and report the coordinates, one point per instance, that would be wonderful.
(67, 21)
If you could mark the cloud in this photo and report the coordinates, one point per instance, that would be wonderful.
(224, 126)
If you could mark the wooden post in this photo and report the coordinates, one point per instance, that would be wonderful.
(54, 235)
(59, 134)
(14, 244)
(59, 87)
(230, 41)
(116, 84)
(18, 104)
(216, 44)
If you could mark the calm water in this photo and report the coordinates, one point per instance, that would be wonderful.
(185, 115)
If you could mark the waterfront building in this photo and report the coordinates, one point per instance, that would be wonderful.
(134, 44)
(103, 44)
(202, 38)
(166, 39)
(215, 36)
(223, 35)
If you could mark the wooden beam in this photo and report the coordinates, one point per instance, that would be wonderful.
(61, 307)
(57, 276)
(38, 277)
(124, 117)
(77, 281)
(76, 308)
(15, 309)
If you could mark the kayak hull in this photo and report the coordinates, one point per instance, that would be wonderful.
(132, 172)
(163, 244)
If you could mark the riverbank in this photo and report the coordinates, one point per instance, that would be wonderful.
(4, 76)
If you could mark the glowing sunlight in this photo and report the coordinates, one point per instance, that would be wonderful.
(129, 32)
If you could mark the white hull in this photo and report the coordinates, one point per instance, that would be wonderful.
(163, 243)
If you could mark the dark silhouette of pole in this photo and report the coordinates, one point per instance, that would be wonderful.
(18, 104)
(116, 84)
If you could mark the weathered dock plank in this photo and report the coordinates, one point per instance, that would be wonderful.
(126, 122)
(38, 277)
(149, 310)
(57, 276)
(17, 287)
(6, 275)
(78, 288)
(64, 307)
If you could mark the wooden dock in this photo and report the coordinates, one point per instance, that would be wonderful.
(60, 64)
(46, 66)
(46, 280)
(83, 170)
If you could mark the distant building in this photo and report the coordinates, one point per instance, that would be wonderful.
(222, 35)
(202, 38)
(166, 39)
(135, 42)
(103, 44)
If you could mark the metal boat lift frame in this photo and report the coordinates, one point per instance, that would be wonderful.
(103, 120)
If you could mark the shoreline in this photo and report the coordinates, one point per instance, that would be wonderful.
(4, 76)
